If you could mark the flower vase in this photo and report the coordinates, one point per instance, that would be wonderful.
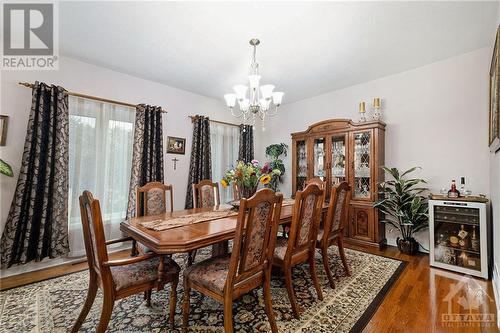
(247, 192)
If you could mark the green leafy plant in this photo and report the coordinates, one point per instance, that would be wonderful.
(6, 169)
(274, 151)
(403, 202)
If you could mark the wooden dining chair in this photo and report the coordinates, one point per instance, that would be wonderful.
(318, 181)
(333, 227)
(206, 194)
(226, 278)
(118, 278)
(151, 199)
(299, 246)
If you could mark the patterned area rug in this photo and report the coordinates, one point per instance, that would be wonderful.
(54, 305)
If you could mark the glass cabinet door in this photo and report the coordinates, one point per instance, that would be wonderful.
(362, 161)
(338, 161)
(301, 164)
(319, 162)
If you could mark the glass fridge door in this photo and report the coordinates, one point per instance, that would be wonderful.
(457, 236)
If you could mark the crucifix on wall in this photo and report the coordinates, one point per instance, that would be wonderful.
(175, 160)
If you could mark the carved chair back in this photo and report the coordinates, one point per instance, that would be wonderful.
(206, 194)
(93, 235)
(316, 180)
(336, 218)
(151, 199)
(305, 220)
(255, 237)
(236, 191)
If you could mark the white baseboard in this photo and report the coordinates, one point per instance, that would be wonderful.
(496, 290)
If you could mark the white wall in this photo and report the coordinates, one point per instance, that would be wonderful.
(435, 119)
(88, 79)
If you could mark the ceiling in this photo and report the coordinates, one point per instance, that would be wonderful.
(307, 48)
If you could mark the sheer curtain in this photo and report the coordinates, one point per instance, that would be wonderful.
(100, 157)
(224, 140)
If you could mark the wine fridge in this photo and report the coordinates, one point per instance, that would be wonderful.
(459, 236)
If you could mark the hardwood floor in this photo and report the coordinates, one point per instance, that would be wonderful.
(415, 303)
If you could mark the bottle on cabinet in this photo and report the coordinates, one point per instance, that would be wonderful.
(453, 192)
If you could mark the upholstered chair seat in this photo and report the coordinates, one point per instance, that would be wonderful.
(210, 273)
(141, 272)
(280, 249)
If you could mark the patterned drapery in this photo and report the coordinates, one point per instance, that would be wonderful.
(37, 224)
(147, 155)
(200, 166)
(246, 143)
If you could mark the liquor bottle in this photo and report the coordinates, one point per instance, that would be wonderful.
(462, 185)
(462, 234)
(453, 192)
(474, 242)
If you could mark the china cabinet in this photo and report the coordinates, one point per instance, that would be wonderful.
(339, 150)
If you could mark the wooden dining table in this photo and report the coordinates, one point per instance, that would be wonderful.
(187, 238)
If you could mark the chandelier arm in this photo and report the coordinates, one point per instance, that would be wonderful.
(236, 115)
(273, 113)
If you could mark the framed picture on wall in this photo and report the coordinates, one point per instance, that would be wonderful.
(176, 145)
(494, 118)
(4, 122)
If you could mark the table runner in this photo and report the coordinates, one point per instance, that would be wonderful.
(174, 222)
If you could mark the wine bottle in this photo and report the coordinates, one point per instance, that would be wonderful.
(453, 192)
(462, 234)
(474, 242)
(462, 185)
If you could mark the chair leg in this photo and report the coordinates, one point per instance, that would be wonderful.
(268, 302)
(134, 251)
(326, 264)
(147, 297)
(342, 255)
(173, 301)
(228, 315)
(107, 309)
(91, 293)
(312, 269)
(185, 305)
(291, 294)
(191, 257)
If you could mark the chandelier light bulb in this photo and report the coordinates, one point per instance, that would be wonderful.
(267, 90)
(230, 100)
(278, 97)
(241, 91)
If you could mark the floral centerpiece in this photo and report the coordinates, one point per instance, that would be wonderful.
(248, 176)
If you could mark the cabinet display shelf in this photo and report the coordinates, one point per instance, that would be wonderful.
(339, 150)
(456, 222)
(459, 249)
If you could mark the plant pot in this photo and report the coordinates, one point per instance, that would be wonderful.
(407, 246)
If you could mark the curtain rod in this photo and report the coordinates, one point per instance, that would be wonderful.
(215, 121)
(95, 98)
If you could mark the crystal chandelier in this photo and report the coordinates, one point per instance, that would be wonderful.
(258, 103)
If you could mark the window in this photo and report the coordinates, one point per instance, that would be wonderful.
(100, 156)
(224, 140)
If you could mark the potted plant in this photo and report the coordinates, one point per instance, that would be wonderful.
(248, 176)
(5, 168)
(275, 151)
(404, 204)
